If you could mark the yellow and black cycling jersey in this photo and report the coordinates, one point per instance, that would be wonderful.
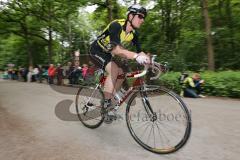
(115, 34)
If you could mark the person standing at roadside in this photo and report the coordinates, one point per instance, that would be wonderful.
(51, 73)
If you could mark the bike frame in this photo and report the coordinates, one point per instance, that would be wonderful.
(137, 82)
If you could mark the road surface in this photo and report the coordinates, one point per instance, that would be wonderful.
(32, 128)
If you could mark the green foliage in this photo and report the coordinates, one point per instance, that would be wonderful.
(12, 51)
(226, 83)
(45, 27)
(225, 22)
(174, 30)
(170, 80)
(100, 18)
(175, 34)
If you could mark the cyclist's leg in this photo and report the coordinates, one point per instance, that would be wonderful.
(113, 68)
(101, 59)
(104, 61)
(123, 69)
(112, 83)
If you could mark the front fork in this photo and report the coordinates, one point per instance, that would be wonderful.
(147, 106)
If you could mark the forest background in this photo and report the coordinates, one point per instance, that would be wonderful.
(191, 35)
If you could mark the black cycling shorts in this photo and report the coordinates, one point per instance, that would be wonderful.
(99, 57)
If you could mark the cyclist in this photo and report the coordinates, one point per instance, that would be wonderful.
(112, 43)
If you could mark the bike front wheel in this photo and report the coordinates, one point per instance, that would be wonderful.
(158, 120)
(89, 102)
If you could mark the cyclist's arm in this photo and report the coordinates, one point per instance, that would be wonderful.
(122, 52)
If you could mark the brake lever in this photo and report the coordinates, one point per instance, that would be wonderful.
(154, 70)
(153, 57)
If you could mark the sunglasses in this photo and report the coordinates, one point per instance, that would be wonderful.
(141, 16)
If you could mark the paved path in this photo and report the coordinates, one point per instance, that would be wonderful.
(30, 129)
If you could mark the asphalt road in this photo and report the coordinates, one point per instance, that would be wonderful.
(32, 128)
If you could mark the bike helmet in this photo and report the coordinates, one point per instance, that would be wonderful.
(136, 8)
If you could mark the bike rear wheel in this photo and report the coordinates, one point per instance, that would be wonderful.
(158, 120)
(89, 102)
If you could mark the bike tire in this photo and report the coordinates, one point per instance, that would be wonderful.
(163, 130)
(89, 102)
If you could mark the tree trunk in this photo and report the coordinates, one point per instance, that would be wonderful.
(168, 9)
(49, 45)
(50, 29)
(211, 62)
(220, 6)
(110, 8)
(162, 15)
(180, 11)
(28, 45)
(70, 37)
(230, 24)
(29, 51)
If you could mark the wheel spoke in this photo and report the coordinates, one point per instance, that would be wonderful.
(144, 130)
(160, 135)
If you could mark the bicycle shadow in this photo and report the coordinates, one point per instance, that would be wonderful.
(62, 109)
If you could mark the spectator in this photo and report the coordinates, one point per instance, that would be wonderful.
(91, 73)
(35, 74)
(25, 73)
(44, 73)
(29, 74)
(40, 73)
(192, 86)
(76, 74)
(14, 74)
(5, 74)
(69, 72)
(84, 71)
(51, 73)
(91, 70)
(20, 73)
(59, 75)
(10, 74)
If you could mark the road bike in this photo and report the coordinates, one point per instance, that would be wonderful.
(156, 117)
